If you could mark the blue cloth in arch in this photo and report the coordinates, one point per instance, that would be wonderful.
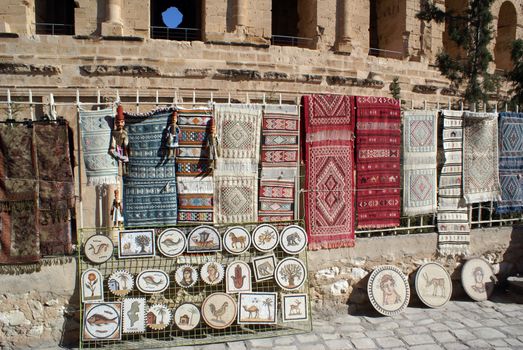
(510, 162)
(150, 184)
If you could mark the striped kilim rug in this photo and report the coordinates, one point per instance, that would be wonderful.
(480, 157)
(279, 158)
(510, 162)
(378, 141)
(453, 218)
(150, 185)
(100, 167)
(419, 162)
(329, 160)
(194, 176)
(236, 175)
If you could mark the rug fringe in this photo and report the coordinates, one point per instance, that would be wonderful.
(331, 245)
(102, 180)
(20, 269)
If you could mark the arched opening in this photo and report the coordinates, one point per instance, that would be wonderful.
(506, 34)
(455, 8)
(176, 19)
(294, 22)
(54, 17)
(387, 27)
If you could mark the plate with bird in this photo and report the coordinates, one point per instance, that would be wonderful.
(219, 310)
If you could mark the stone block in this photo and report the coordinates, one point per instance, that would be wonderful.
(363, 343)
(418, 339)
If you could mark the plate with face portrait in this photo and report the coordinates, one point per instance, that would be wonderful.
(477, 278)
(212, 273)
(388, 290)
(186, 276)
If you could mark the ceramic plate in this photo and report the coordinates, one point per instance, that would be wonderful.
(98, 249)
(212, 273)
(152, 281)
(293, 239)
(265, 237)
(219, 310)
(172, 242)
(257, 308)
(236, 240)
(238, 277)
(186, 276)
(294, 307)
(133, 315)
(433, 285)
(187, 316)
(264, 267)
(478, 279)
(136, 244)
(102, 321)
(388, 290)
(120, 283)
(158, 317)
(92, 285)
(290, 273)
(204, 238)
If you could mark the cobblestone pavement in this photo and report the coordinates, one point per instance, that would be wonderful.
(493, 324)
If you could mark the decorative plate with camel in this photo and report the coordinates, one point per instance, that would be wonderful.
(219, 310)
(172, 242)
(257, 308)
(236, 240)
(433, 285)
(203, 239)
(265, 237)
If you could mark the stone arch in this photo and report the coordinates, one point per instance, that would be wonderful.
(456, 8)
(387, 28)
(294, 23)
(505, 34)
(190, 27)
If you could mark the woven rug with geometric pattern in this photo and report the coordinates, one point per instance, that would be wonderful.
(150, 186)
(510, 162)
(195, 187)
(329, 161)
(238, 130)
(453, 214)
(419, 162)
(378, 141)
(480, 157)
(279, 157)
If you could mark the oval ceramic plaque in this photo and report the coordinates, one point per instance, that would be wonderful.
(158, 317)
(293, 239)
(433, 285)
(236, 240)
(477, 278)
(187, 316)
(219, 310)
(290, 273)
(186, 276)
(152, 281)
(388, 290)
(172, 242)
(120, 283)
(212, 273)
(98, 249)
(203, 239)
(265, 237)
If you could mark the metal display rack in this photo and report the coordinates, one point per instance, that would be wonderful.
(174, 295)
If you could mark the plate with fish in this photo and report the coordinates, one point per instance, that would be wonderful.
(98, 249)
(102, 321)
(152, 281)
(172, 242)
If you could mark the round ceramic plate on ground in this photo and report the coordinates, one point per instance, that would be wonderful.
(158, 317)
(433, 285)
(212, 273)
(290, 273)
(388, 290)
(219, 310)
(236, 240)
(265, 237)
(187, 316)
(172, 242)
(98, 249)
(120, 283)
(186, 276)
(293, 239)
(477, 278)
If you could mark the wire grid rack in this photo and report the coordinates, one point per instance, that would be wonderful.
(175, 295)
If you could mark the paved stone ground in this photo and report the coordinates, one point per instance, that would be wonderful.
(463, 324)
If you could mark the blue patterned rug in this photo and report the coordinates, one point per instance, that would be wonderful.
(510, 162)
(150, 185)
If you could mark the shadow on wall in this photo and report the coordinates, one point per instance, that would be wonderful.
(71, 328)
